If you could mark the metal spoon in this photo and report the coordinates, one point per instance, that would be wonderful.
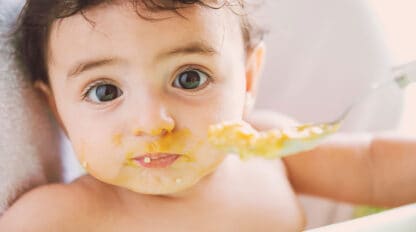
(246, 142)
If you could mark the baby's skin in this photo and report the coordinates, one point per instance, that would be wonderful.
(240, 195)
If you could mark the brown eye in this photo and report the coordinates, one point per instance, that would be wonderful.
(190, 79)
(103, 93)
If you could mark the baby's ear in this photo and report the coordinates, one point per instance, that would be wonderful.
(254, 68)
(46, 90)
(47, 93)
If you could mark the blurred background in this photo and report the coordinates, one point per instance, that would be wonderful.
(324, 54)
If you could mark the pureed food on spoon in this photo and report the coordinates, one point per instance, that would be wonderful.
(242, 139)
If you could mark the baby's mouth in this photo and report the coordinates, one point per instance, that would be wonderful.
(156, 160)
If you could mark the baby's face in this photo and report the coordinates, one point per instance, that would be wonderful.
(136, 96)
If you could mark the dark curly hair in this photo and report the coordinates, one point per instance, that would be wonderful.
(37, 16)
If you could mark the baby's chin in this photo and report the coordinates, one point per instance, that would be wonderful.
(179, 179)
(174, 185)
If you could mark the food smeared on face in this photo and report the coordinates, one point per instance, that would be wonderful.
(145, 114)
(163, 152)
(242, 139)
(154, 164)
(117, 139)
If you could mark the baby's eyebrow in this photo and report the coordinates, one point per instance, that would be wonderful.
(89, 64)
(192, 48)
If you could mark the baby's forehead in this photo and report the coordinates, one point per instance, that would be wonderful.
(112, 27)
(126, 15)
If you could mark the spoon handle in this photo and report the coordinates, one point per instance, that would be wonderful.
(403, 75)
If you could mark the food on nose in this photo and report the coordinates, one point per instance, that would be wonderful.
(242, 139)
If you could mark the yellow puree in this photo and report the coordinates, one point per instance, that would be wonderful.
(242, 139)
(174, 143)
(247, 142)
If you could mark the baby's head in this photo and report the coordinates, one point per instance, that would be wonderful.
(136, 84)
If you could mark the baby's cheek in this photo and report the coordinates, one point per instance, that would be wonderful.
(209, 158)
(101, 160)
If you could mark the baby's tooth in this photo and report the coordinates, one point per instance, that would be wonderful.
(147, 160)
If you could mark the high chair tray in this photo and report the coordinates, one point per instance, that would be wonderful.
(401, 219)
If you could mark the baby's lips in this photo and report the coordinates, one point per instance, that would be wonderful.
(156, 160)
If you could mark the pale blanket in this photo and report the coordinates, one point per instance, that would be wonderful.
(28, 138)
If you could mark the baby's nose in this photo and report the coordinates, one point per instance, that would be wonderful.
(157, 122)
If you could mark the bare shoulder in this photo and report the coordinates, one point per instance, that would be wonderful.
(55, 207)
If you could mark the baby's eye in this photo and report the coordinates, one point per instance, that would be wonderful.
(103, 93)
(190, 79)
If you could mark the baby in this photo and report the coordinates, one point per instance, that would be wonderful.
(135, 86)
